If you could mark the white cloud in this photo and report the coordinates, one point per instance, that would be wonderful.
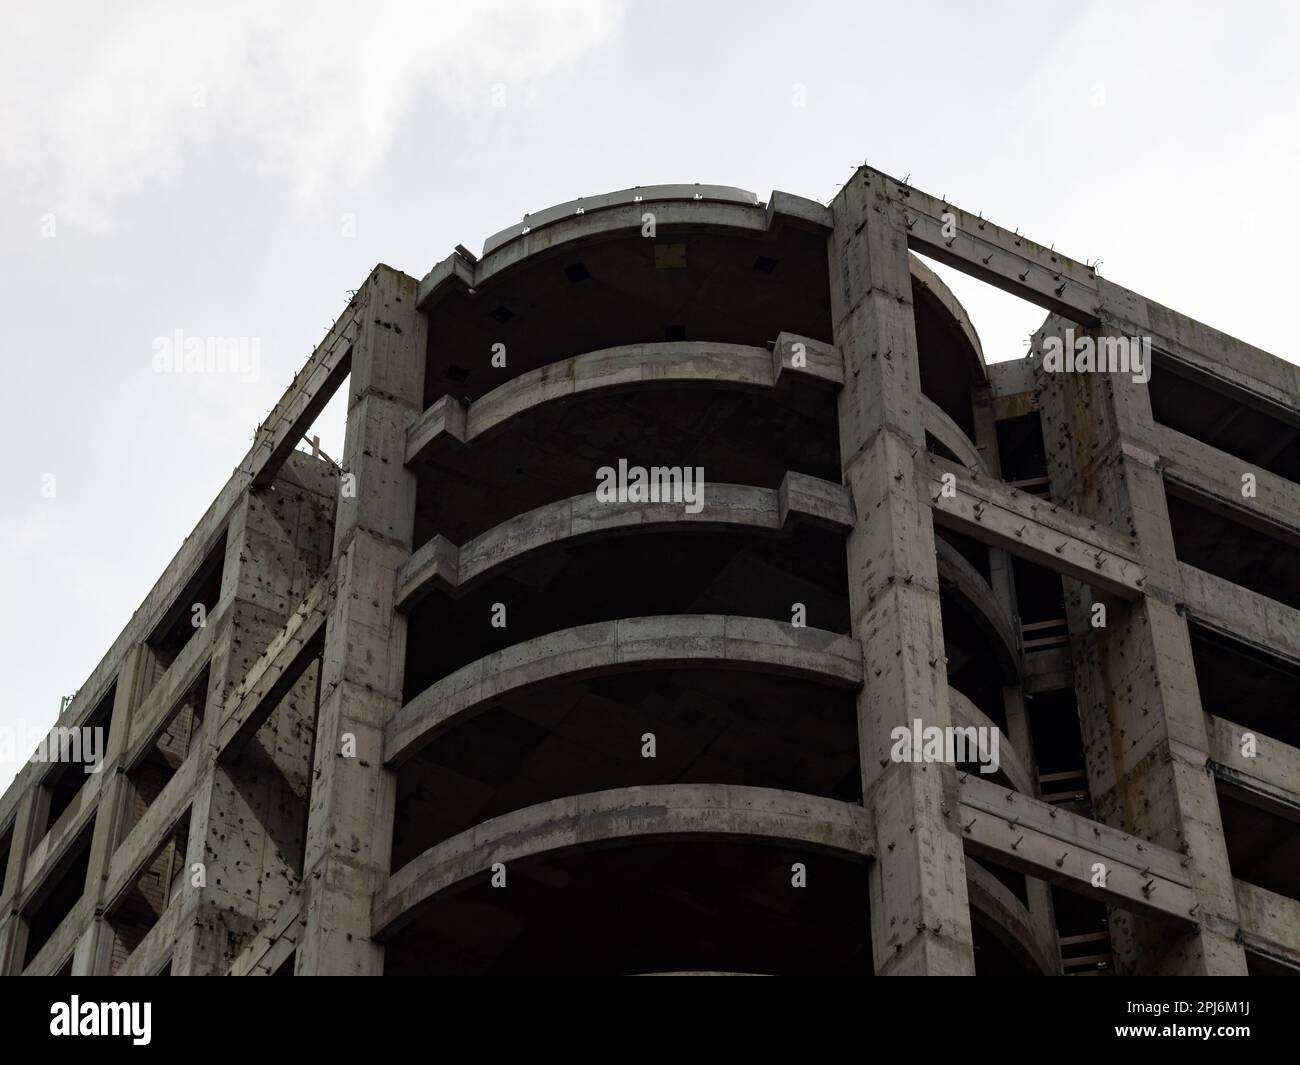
(99, 106)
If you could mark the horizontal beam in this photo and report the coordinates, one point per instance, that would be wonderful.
(701, 811)
(1272, 771)
(1270, 923)
(660, 365)
(669, 642)
(1214, 477)
(1062, 848)
(978, 247)
(1241, 614)
(440, 563)
(1031, 528)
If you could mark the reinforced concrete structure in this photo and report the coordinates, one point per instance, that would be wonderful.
(450, 712)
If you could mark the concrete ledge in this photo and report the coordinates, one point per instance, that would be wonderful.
(617, 369)
(274, 943)
(440, 563)
(704, 811)
(669, 642)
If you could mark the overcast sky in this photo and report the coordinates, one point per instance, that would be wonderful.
(235, 171)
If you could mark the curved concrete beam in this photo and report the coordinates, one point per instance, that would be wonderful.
(965, 714)
(928, 279)
(939, 425)
(672, 810)
(1008, 920)
(982, 606)
(440, 563)
(670, 642)
(659, 365)
(611, 214)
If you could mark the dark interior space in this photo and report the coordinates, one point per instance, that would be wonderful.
(1210, 540)
(65, 781)
(177, 627)
(63, 890)
(572, 737)
(642, 574)
(1232, 421)
(1247, 686)
(1263, 845)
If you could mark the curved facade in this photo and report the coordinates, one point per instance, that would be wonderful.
(481, 700)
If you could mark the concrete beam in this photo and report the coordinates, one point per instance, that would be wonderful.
(669, 642)
(1270, 923)
(703, 811)
(1241, 614)
(1032, 528)
(664, 365)
(1214, 478)
(1273, 769)
(1041, 840)
(976, 246)
(440, 563)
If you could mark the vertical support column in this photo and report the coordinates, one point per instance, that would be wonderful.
(93, 955)
(920, 916)
(1144, 730)
(13, 929)
(349, 832)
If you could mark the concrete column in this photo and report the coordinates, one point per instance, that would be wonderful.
(93, 954)
(1145, 734)
(13, 929)
(350, 827)
(920, 917)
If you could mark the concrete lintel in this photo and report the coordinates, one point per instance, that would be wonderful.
(1033, 529)
(1270, 923)
(440, 564)
(671, 810)
(1041, 840)
(1047, 671)
(46, 857)
(668, 642)
(152, 831)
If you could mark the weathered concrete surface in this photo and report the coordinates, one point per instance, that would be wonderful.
(662, 642)
(710, 810)
(349, 829)
(1143, 728)
(920, 916)
(1036, 838)
(444, 565)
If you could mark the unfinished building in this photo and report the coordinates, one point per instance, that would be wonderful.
(447, 711)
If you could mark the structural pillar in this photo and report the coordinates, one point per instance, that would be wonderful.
(350, 827)
(920, 916)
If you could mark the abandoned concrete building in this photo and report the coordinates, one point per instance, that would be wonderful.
(449, 712)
